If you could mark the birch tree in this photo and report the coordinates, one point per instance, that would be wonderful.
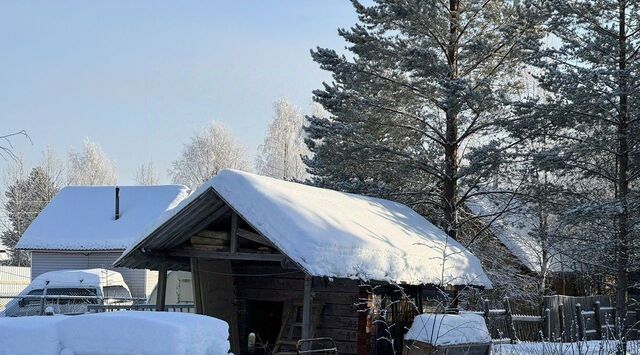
(280, 155)
(90, 166)
(147, 175)
(416, 103)
(208, 152)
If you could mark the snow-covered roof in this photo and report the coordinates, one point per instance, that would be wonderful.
(83, 217)
(449, 329)
(335, 234)
(514, 225)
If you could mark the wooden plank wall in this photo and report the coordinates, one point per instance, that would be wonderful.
(339, 317)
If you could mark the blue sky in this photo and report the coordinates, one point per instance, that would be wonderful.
(140, 77)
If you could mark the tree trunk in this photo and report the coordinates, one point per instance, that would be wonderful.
(622, 245)
(450, 181)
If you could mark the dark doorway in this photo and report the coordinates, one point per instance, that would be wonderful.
(264, 318)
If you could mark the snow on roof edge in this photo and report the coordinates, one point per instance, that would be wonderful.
(475, 278)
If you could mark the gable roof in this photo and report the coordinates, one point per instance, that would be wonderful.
(83, 217)
(335, 234)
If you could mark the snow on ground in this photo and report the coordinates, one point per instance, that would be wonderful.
(449, 329)
(115, 333)
(83, 217)
(592, 347)
(335, 234)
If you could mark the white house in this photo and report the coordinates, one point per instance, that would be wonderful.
(87, 227)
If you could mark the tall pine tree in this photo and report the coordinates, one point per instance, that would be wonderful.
(412, 104)
(590, 67)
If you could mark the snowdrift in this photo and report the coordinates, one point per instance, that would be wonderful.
(449, 329)
(115, 333)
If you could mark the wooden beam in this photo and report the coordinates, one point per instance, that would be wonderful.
(195, 283)
(254, 237)
(221, 255)
(234, 237)
(183, 235)
(161, 290)
(307, 304)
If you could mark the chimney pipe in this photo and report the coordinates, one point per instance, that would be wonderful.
(117, 202)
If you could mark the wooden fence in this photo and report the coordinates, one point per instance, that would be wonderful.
(564, 323)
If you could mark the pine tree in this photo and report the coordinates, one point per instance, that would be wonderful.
(409, 112)
(26, 198)
(591, 73)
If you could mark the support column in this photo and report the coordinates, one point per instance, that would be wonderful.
(161, 290)
(307, 304)
(195, 282)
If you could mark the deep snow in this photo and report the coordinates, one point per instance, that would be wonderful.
(115, 333)
(449, 329)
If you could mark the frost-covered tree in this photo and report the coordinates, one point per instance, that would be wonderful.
(90, 166)
(280, 155)
(592, 111)
(6, 145)
(412, 109)
(208, 152)
(26, 196)
(147, 175)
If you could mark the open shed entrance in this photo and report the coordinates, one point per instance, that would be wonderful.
(264, 318)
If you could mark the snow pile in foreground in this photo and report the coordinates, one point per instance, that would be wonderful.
(449, 329)
(115, 333)
(591, 347)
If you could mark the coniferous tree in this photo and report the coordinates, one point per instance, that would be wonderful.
(590, 69)
(26, 197)
(410, 110)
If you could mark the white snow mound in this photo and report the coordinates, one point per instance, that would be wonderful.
(449, 329)
(115, 333)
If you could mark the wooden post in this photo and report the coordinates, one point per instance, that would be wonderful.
(307, 303)
(161, 290)
(580, 320)
(547, 324)
(597, 319)
(511, 329)
(561, 323)
(614, 316)
(195, 281)
(233, 243)
(636, 324)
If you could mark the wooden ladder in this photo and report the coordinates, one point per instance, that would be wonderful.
(291, 329)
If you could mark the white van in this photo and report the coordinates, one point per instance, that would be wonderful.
(69, 292)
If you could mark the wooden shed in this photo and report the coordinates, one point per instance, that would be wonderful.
(288, 261)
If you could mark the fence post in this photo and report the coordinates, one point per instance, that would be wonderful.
(561, 324)
(580, 320)
(43, 300)
(614, 316)
(597, 320)
(547, 324)
(636, 324)
(511, 329)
